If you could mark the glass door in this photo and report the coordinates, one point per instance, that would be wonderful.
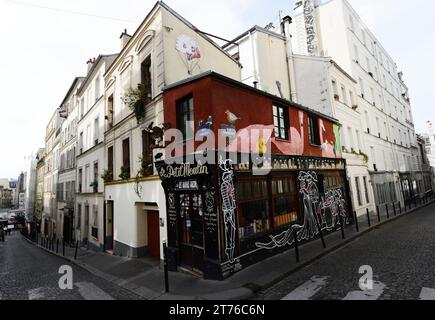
(191, 231)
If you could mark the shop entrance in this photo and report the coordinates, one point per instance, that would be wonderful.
(191, 231)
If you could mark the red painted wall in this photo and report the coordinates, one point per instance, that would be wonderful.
(213, 96)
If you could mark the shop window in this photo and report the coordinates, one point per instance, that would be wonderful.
(280, 121)
(253, 218)
(285, 201)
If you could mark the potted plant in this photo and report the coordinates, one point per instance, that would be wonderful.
(146, 167)
(336, 97)
(354, 107)
(125, 173)
(94, 185)
(107, 176)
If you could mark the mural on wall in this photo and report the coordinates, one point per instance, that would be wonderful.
(310, 27)
(189, 52)
(229, 130)
(261, 137)
(333, 207)
(228, 206)
(328, 208)
(328, 149)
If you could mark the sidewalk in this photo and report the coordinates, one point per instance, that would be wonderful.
(145, 277)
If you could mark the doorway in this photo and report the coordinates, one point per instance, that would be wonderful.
(109, 226)
(153, 233)
(191, 231)
(86, 225)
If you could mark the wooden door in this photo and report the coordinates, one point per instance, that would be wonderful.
(153, 234)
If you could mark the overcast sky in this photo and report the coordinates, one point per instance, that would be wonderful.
(42, 50)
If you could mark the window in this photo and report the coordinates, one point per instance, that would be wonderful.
(367, 121)
(358, 191)
(343, 93)
(80, 180)
(350, 136)
(97, 88)
(81, 142)
(126, 156)
(355, 50)
(94, 231)
(372, 91)
(361, 83)
(146, 79)
(369, 69)
(95, 181)
(185, 117)
(352, 98)
(285, 199)
(96, 130)
(86, 178)
(147, 151)
(358, 141)
(313, 130)
(280, 120)
(253, 208)
(110, 111)
(334, 88)
(110, 161)
(351, 23)
(366, 190)
(79, 216)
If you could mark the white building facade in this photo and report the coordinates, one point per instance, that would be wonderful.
(89, 202)
(65, 194)
(335, 30)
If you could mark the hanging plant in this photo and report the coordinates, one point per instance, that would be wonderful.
(135, 100)
(125, 173)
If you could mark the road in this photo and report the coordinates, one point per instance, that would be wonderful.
(29, 273)
(401, 255)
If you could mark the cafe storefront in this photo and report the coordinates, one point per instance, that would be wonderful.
(222, 218)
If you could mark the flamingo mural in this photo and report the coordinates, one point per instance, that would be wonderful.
(328, 147)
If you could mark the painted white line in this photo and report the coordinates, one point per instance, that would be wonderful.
(307, 290)
(427, 294)
(89, 291)
(36, 294)
(378, 289)
(1, 296)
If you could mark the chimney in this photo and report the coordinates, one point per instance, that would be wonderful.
(125, 37)
(90, 63)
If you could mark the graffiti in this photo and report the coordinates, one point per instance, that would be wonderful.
(189, 52)
(310, 27)
(333, 207)
(310, 202)
(228, 206)
(328, 209)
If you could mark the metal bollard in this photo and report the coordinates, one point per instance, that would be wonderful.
(368, 218)
(342, 227)
(295, 236)
(356, 221)
(165, 261)
(321, 234)
(379, 214)
(388, 212)
(63, 247)
(394, 208)
(57, 245)
(400, 207)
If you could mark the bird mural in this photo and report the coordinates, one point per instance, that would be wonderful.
(231, 117)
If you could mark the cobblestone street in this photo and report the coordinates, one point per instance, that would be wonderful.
(401, 254)
(29, 273)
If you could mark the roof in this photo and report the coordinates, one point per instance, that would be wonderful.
(77, 79)
(94, 66)
(247, 87)
(178, 16)
(254, 28)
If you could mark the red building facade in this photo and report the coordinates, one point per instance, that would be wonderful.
(271, 171)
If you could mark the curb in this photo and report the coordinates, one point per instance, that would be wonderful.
(246, 291)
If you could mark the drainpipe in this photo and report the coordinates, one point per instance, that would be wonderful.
(254, 50)
(286, 21)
